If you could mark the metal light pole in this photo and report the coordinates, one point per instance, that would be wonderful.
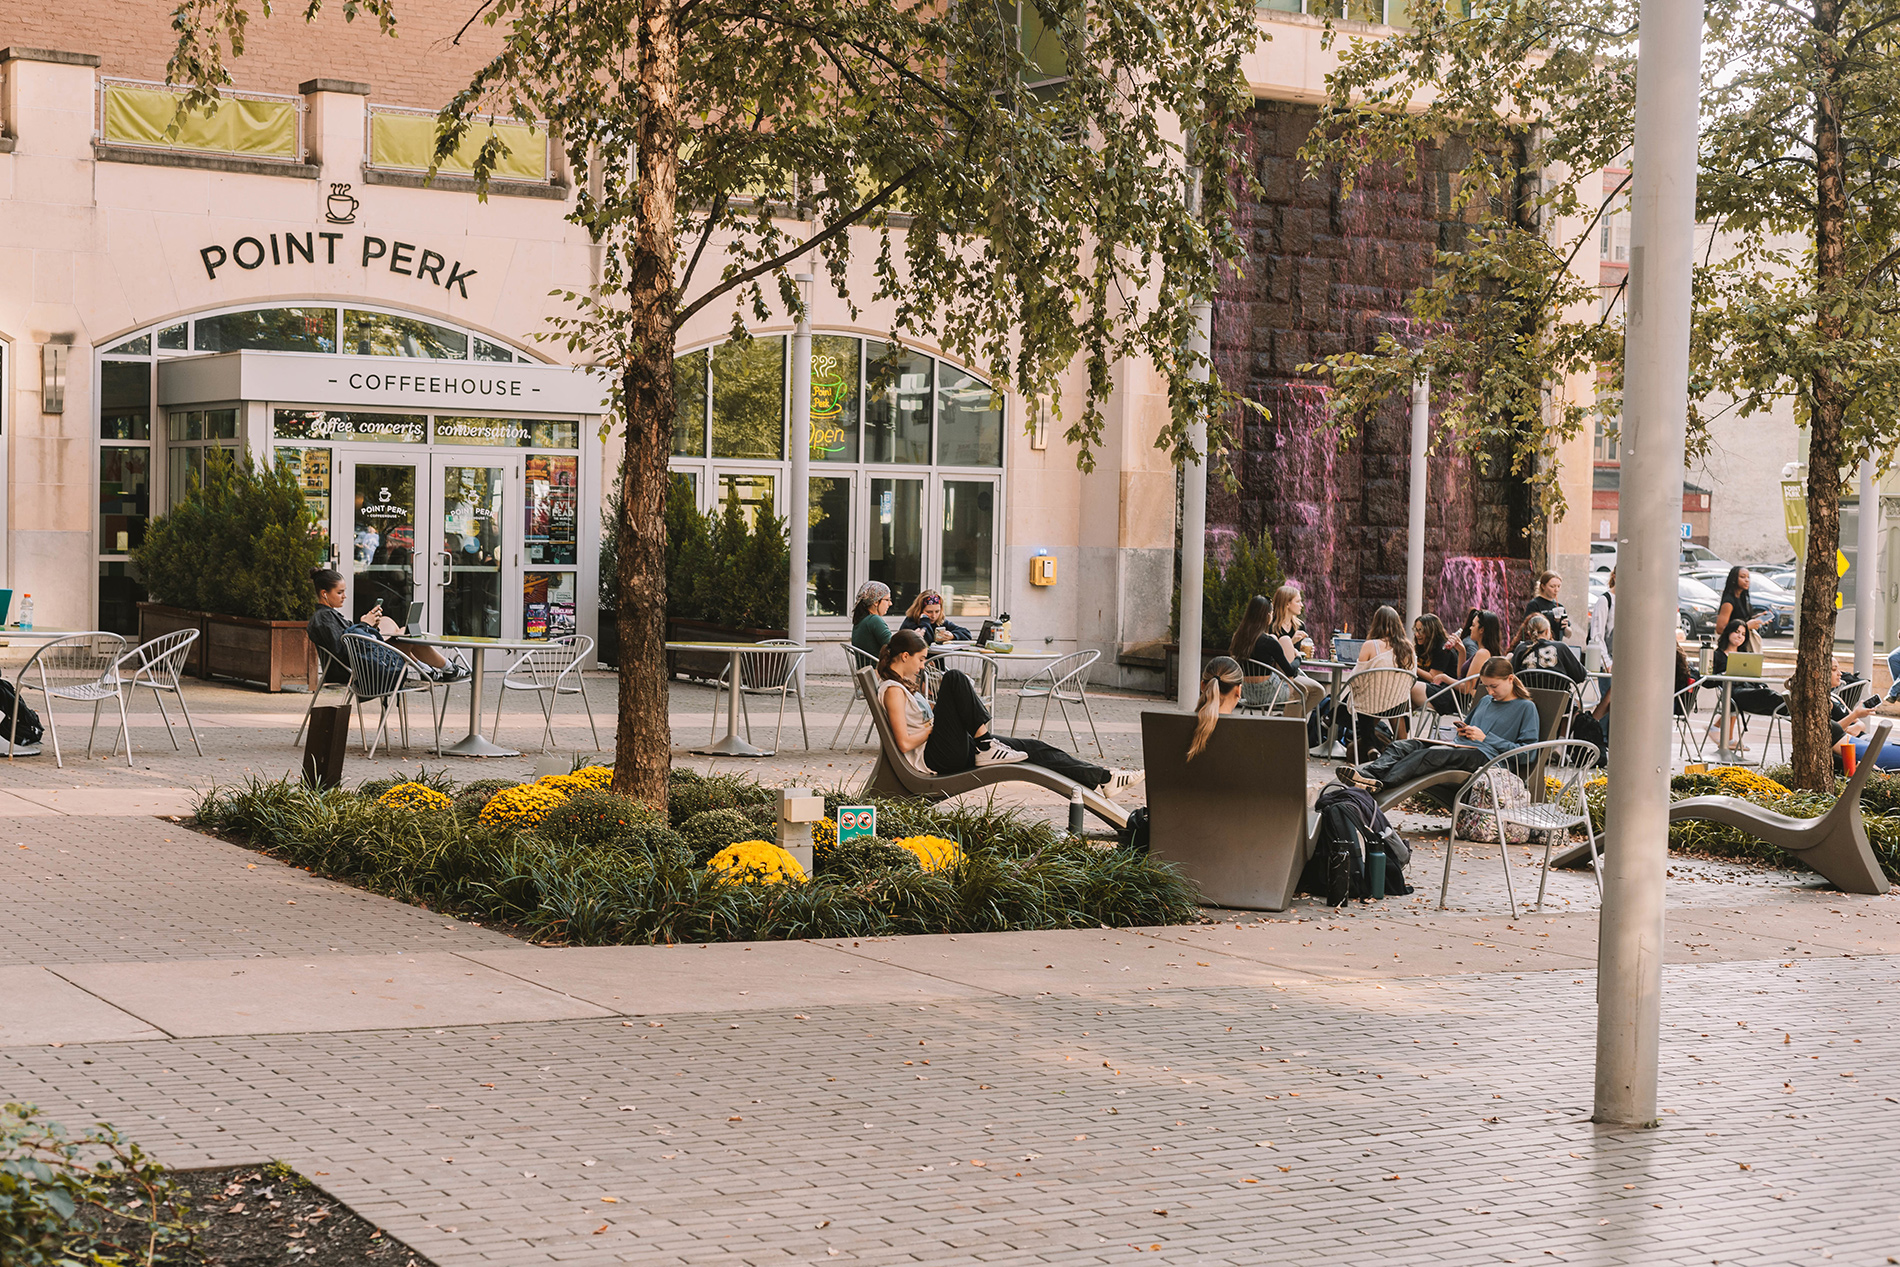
(798, 505)
(1194, 523)
(1655, 409)
(1415, 532)
(1865, 567)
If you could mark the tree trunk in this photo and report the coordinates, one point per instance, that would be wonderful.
(1814, 659)
(642, 739)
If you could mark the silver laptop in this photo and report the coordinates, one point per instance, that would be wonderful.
(1744, 664)
(414, 624)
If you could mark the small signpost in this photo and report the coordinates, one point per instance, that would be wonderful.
(856, 821)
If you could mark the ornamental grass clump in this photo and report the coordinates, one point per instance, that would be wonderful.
(689, 794)
(709, 831)
(864, 858)
(756, 862)
(414, 797)
(470, 798)
(523, 805)
(593, 817)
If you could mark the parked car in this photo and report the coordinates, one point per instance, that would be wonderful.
(1695, 556)
(1772, 603)
(1602, 557)
(1696, 605)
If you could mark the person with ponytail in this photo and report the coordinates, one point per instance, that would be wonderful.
(1220, 694)
(953, 734)
(1504, 719)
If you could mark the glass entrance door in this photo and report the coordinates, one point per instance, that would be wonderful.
(896, 522)
(475, 560)
(382, 537)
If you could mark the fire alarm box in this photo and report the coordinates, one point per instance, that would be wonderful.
(1042, 570)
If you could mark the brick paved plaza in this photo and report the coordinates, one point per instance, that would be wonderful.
(1386, 1085)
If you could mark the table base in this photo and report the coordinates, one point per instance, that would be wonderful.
(478, 746)
(732, 746)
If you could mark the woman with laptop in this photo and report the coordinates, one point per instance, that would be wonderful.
(1733, 658)
(328, 625)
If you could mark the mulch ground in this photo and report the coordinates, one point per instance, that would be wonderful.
(271, 1216)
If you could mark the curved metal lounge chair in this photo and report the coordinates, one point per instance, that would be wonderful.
(895, 776)
(1552, 708)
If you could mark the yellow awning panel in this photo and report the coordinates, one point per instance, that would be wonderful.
(408, 141)
(237, 125)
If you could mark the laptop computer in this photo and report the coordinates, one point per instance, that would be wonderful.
(414, 624)
(1744, 664)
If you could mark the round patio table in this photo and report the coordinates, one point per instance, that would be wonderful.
(991, 661)
(473, 744)
(730, 745)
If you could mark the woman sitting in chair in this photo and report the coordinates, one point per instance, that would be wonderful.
(954, 735)
(1538, 652)
(1505, 719)
(328, 625)
(1745, 698)
(1439, 657)
(925, 615)
(1220, 695)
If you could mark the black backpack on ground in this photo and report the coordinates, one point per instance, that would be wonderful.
(30, 730)
(1134, 836)
(1350, 824)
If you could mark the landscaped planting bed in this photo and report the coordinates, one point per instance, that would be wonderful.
(564, 861)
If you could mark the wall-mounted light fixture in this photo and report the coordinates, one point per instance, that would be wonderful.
(1039, 423)
(53, 361)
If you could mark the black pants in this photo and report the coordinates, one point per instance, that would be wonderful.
(1409, 758)
(951, 748)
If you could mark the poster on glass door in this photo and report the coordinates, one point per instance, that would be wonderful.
(551, 509)
(548, 605)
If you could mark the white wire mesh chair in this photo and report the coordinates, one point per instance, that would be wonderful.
(383, 673)
(766, 672)
(1427, 720)
(854, 659)
(1781, 721)
(978, 667)
(1552, 811)
(82, 668)
(1062, 682)
(1382, 693)
(325, 664)
(1686, 735)
(1266, 690)
(549, 671)
(158, 665)
(1552, 680)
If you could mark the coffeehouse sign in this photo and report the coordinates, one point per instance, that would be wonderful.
(277, 250)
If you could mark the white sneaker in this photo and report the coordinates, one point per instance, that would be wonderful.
(1124, 778)
(997, 754)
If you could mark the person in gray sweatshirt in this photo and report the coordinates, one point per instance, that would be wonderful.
(1504, 719)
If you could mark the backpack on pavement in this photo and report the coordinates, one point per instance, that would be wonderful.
(30, 731)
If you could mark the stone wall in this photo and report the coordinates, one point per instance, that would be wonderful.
(1323, 274)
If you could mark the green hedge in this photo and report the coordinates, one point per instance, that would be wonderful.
(582, 885)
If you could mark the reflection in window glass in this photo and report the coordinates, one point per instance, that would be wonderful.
(120, 593)
(552, 509)
(969, 420)
(173, 338)
(202, 424)
(141, 345)
(124, 498)
(897, 405)
(969, 535)
(186, 464)
(547, 605)
(486, 351)
(269, 330)
(471, 539)
(753, 491)
(834, 398)
(689, 408)
(125, 400)
(381, 334)
(748, 399)
(828, 548)
(897, 537)
(383, 540)
(311, 469)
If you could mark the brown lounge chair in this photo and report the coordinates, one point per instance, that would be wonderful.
(1834, 845)
(1234, 818)
(896, 776)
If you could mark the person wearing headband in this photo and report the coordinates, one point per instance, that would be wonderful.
(925, 615)
(869, 633)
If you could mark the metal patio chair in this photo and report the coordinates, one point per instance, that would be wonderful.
(1063, 682)
(767, 671)
(82, 668)
(325, 662)
(1273, 694)
(550, 672)
(157, 665)
(383, 673)
(854, 659)
(1569, 762)
(1686, 736)
(1381, 693)
(1427, 721)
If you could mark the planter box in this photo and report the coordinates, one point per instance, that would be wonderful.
(269, 652)
(156, 620)
(706, 666)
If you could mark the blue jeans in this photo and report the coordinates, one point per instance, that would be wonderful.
(1893, 667)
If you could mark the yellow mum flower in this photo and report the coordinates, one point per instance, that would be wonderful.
(934, 853)
(566, 784)
(413, 796)
(523, 805)
(1746, 782)
(756, 862)
(824, 834)
(597, 776)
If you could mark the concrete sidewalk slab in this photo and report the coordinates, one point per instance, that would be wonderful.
(1838, 921)
(1387, 948)
(201, 999)
(718, 977)
(37, 1007)
(103, 802)
(1066, 961)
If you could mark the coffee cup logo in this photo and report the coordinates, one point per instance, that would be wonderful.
(340, 207)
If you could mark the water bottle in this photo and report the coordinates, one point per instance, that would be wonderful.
(1076, 809)
(26, 611)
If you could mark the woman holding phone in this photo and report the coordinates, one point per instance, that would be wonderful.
(328, 625)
